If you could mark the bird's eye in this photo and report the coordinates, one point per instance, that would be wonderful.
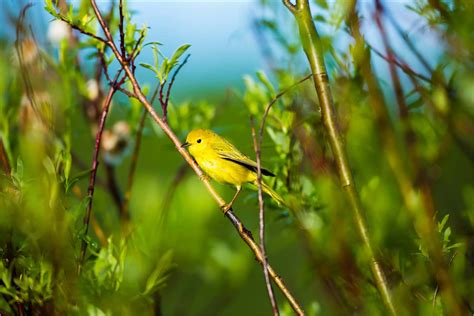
(199, 141)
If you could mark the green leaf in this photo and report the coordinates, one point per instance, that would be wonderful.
(178, 53)
(319, 18)
(156, 56)
(322, 3)
(149, 67)
(152, 43)
(266, 82)
(159, 274)
(163, 72)
(76, 178)
(443, 223)
(49, 7)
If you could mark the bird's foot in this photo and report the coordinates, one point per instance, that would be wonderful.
(226, 207)
(204, 177)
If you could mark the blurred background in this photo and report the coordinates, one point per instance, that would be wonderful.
(157, 242)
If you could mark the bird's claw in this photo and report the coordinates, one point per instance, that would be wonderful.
(204, 177)
(226, 207)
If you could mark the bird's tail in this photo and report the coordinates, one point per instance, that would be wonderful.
(272, 194)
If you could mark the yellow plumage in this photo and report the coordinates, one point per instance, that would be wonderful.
(221, 161)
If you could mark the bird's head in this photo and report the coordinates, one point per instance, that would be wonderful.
(199, 139)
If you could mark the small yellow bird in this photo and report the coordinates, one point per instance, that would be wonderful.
(221, 161)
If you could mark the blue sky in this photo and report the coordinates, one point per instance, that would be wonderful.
(224, 46)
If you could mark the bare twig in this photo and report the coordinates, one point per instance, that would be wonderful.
(4, 159)
(164, 106)
(409, 43)
(170, 85)
(95, 164)
(24, 72)
(164, 100)
(81, 30)
(95, 224)
(257, 145)
(397, 86)
(404, 67)
(278, 96)
(128, 93)
(244, 233)
(290, 5)
(121, 32)
(135, 51)
(20, 308)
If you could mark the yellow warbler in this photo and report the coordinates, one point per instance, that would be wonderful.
(224, 163)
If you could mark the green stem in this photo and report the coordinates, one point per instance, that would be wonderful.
(314, 53)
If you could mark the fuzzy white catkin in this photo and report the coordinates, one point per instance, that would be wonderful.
(57, 31)
(92, 89)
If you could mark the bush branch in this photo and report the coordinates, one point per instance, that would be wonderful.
(95, 164)
(4, 159)
(257, 144)
(244, 233)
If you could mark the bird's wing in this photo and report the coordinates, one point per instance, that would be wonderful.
(228, 152)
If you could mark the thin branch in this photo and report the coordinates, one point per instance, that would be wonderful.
(170, 85)
(95, 164)
(257, 145)
(244, 233)
(278, 96)
(81, 165)
(114, 84)
(164, 108)
(135, 51)
(24, 73)
(81, 30)
(20, 308)
(103, 62)
(122, 34)
(403, 66)
(95, 224)
(290, 6)
(128, 93)
(409, 43)
(304, 233)
(4, 161)
(397, 86)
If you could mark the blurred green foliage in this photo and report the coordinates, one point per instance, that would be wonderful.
(178, 255)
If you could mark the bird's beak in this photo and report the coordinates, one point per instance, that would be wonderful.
(185, 144)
